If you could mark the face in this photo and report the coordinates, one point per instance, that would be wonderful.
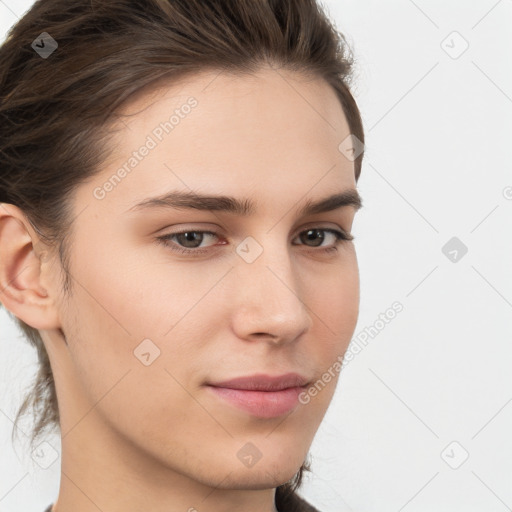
(168, 298)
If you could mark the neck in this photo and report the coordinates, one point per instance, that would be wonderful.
(101, 471)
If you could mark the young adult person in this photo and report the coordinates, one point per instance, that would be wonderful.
(177, 188)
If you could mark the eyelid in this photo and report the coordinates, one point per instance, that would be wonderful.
(217, 230)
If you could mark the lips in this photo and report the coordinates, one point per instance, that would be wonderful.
(261, 395)
(263, 382)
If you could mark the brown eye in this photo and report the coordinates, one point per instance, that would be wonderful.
(313, 235)
(186, 241)
(190, 239)
(317, 236)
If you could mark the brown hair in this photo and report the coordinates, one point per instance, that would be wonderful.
(56, 112)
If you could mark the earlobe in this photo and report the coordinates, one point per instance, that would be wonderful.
(21, 291)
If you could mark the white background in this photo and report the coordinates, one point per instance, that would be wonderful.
(434, 385)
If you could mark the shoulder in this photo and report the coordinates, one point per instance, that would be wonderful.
(294, 503)
(304, 506)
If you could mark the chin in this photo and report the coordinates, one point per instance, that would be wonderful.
(266, 477)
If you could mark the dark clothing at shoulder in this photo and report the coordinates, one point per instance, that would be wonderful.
(304, 506)
(294, 503)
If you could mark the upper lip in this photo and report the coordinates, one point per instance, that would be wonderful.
(263, 382)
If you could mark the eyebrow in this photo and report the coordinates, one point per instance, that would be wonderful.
(244, 207)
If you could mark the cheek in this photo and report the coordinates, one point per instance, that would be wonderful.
(333, 300)
(143, 397)
(138, 293)
(333, 296)
(131, 311)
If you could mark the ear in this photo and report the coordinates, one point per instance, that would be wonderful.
(21, 271)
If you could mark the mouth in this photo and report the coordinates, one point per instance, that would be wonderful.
(261, 395)
(263, 404)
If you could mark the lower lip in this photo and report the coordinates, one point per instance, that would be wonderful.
(264, 404)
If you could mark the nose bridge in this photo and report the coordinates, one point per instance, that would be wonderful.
(269, 292)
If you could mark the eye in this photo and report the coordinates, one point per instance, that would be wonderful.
(189, 238)
(311, 235)
(192, 240)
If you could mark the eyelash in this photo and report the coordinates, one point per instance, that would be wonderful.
(341, 237)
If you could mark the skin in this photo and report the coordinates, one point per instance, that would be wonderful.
(138, 437)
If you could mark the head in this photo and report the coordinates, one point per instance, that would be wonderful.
(249, 107)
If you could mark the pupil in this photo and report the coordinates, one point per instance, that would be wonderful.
(190, 236)
(311, 233)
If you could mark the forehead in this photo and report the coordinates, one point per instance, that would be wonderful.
(249, 99)
(247, 134)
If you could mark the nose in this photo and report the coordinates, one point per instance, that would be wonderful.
(269, 300)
